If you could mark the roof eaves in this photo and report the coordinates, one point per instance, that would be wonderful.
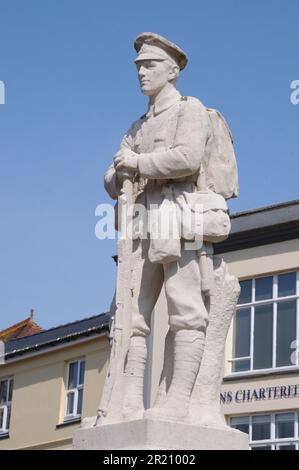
(282, 205)
(100, 329)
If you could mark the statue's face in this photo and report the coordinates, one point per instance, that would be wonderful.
(153, 75)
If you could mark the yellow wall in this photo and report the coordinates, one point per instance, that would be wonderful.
(264, 259)
(259, 261)
(39, 394)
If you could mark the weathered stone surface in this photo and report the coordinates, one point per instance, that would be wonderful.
(158, 435)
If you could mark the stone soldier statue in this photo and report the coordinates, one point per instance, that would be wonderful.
(167, 154)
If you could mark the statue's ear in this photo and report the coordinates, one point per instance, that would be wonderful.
(174, 72)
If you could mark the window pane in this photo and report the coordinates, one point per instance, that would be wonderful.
(70, 403)
(73, 375)
(286, 447)
(246, 292)
(80, 400)
(3, 391)
(262, 356)
(241, 423)
(1, 417)
(261, 448)
(10, 390)
(264, 288)
(286, 332)
(286, 284)
(241, 366)
(8, 417)
(242, 333)
(260, 427)
(284, 425)
(81, 373)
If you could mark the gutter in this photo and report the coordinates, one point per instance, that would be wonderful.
(102, 330)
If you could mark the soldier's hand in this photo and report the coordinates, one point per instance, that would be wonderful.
(126, 161)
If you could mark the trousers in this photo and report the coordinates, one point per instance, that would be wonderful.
(182, 283)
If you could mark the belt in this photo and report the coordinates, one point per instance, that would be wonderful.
(148, 184)
(163, 182)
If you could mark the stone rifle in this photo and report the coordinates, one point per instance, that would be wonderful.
(112, 398)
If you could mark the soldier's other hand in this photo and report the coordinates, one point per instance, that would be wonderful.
(122, 175)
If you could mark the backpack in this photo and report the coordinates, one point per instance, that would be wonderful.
(219, 167)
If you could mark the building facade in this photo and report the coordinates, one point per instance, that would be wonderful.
(260, 393)
(51, 379)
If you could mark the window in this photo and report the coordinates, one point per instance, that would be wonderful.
(266, 323)
(6, 387)
(74, 392)
(270, 431)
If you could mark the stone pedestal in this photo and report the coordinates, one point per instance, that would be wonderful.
(158, 435)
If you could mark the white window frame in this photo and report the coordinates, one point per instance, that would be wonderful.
(6, 405)
(74, 390)
(274, 300)
(273, 441)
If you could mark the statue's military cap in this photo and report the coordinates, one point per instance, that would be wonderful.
(151, 46)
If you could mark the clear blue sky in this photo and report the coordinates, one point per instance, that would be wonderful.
(71, 93)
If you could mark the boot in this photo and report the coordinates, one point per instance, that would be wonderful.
(188, 352)
(133, 405)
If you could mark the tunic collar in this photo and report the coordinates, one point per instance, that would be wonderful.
(165, 102)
